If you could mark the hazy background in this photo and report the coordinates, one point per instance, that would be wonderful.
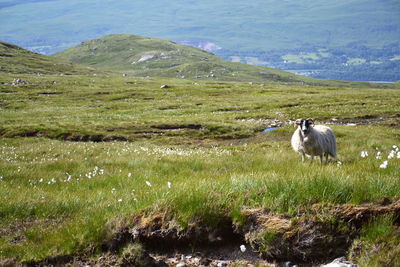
(344, 39)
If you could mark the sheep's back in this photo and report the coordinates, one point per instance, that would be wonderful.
(327, 139)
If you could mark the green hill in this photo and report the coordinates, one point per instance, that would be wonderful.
(15, 59)
(142, 56)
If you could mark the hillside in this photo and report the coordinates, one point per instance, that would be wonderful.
(14, 59)
(142, 56)
(151, 57)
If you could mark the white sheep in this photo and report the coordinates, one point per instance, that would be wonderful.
(314, 140)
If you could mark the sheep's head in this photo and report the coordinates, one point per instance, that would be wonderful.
(305, 125)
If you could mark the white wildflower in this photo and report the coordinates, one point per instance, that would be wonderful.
(378, 155)
(384, 165)
(169, 184)
(120, 200)
(364, 154)
(129, 174)
(40, 180)
(113, 190)
(243, 248)
(398, 155)
(53, 180)
(148, 183)
(391, 154)
(339, 163)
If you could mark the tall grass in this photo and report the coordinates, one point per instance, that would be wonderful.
(191, 183)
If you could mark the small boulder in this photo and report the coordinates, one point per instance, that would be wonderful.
(18, 81)
(340, 262)
(164, 86)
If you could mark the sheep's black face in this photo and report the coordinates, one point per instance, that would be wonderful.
(305, 126)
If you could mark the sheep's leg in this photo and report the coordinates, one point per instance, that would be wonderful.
(303, 156)
(321, 157)
(326, 157)
(312, 157)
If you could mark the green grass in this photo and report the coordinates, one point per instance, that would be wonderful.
(378, 244)
(60, 197)
(15, 59)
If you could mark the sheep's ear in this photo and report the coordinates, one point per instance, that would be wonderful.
(311, 121)
(298, 121)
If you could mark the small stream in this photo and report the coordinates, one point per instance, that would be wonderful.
(269, 129)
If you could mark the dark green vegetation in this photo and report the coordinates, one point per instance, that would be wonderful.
(267, 31)
(86, 160)
(354, 61)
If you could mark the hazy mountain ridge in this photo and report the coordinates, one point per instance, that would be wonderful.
(251, 29)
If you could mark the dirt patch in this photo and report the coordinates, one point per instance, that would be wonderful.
(48, 93)
(311, 237)
(172, 127)
(365, 120)
(315, 236)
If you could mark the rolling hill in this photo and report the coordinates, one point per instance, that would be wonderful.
(15, 59)
(142, 56)
(151, 57)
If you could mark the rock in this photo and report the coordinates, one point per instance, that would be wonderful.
(135, 255)
(340, 262)
(205, 261)
(222, 264)
(164, 86)
(18, 81)
(181, 264)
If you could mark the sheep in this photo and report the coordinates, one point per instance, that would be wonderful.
(314, 140)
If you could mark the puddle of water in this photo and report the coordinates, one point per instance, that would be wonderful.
(269, 129)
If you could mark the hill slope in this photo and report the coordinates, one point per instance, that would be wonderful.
(14, 59)
(142, 56)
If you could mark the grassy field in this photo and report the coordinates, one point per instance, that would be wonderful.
(79, 153)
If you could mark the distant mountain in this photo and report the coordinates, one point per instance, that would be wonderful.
(14, 59)
(142, 56)
(344, 39)
(53, 25)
